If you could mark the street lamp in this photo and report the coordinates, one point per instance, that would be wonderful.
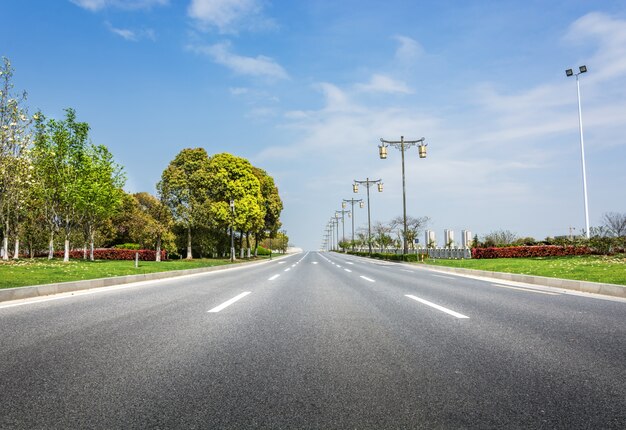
(343, 224)
(232, 233)
(570, 72)
(355, 188)
(352, 202)
(402, 145)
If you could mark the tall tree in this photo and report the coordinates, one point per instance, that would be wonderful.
(100, 192)
(232, 178)
(15, 165)
(273, 206)
(60, 157)
(184, 187)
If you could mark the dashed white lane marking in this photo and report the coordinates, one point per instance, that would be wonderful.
(287, 269)
(436, 306)
(367, 279)
(528, 290)
(348, 270)
(281, 262)
(315, 262)
(338, 266)
(273, 277)
(409, 271)
(229, 302)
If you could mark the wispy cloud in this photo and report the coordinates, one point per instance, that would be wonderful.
(384, 84)
(96, 5)
(259, 66)
(131, 35)
(408, 49)
(610, 35)
(229, 16)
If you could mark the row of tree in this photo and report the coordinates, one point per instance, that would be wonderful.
(386, 235)
(56, 186)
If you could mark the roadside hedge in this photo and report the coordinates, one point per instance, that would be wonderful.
(530, 251)
(387, 256)
(114, 254)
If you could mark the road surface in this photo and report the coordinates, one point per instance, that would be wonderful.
(315, 340)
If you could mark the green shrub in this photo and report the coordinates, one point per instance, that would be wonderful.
(262, 251)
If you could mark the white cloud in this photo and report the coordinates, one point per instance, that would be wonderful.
(384, 84)
(260, 66)
(96, 5)
(131, 35)
(408, 49)
(228, 15)
(610, 35)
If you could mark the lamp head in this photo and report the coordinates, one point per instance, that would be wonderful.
(380, 187)
(382, 151)
(422, 150)
(583, 69)
(569, 72)
(355, 188)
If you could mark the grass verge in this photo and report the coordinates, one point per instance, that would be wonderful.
(40, 271)
(593, 268)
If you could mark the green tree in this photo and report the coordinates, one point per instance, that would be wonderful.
(157, 224)
(60, 159)
(273, 206)
(100, 192)
(232, 178)
(15, 163)
(184, 187)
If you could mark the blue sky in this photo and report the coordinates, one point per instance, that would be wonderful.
(305, 90)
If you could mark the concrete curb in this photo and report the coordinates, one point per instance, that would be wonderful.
(19, 293)
(613, 290)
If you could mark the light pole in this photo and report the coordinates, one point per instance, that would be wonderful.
(402, 145)
(570, 72)
(355, 188)
(352, 202)
(343, 212)
(232, 228)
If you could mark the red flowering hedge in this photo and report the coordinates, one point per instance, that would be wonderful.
(530, 251)
(115, 254)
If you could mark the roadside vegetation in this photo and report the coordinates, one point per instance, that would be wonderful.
(41, 271)
(59, 192)
(593, 268)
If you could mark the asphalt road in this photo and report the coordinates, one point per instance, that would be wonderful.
(315, 341)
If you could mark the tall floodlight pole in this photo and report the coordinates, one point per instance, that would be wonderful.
(352, 202)
(402, 145)
(355, 188)
(570, 72)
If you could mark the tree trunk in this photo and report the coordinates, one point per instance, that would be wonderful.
(51, 246)
(91, 241)
(66, 253)
(248, 243)
(16, 254)
(85, 251)
(189, 256)
(5, 242)
(5, 247)
(158, 250)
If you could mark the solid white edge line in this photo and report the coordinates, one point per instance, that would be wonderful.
(433, 305)
(367, 279)
(273, 277)
(230, 302)
(528, 290)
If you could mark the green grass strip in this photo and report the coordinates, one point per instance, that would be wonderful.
(593, 268)
(41, 271)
